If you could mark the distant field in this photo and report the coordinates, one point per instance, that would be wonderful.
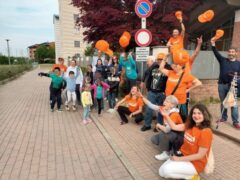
(7, 71)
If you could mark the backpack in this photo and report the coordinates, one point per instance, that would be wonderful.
(209, 168)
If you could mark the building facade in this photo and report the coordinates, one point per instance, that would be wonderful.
(68, 36)
(32, 49)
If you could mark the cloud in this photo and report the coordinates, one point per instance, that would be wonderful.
(26, 22)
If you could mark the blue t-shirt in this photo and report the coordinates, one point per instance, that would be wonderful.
(99, 92)
(71, 83)
(130, 67)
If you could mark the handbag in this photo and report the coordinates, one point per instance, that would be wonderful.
(209, 168)
(177, 84)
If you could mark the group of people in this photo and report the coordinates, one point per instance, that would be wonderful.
(184, 138)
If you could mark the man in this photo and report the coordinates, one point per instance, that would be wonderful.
(155, 84)
(227, 66)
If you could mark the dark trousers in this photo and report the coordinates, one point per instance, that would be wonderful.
(123, 111)
(129, 84)
(99, 103)
(56, 97)
(78, 93)
(50, 90)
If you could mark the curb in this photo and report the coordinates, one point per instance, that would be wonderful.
(12, 78)
(236, 140)
(127, 164)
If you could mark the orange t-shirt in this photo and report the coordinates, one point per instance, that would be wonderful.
(176, 43)
(61, 66)
(193, 139)
(172, 81)
(176, 118)
(134, 104)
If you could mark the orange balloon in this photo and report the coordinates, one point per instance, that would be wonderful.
(219, 34)
(202, 19)
(209, 14)
(127, 34)
(178, 14)
(102, 45)
(109, 52)
(123, 41)
(180, 57)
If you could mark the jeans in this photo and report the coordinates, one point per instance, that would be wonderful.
(155, 98)
(86, 112)
(56, 97)
(223, 90)
(122, 110)
(111, 99)
(183, 111)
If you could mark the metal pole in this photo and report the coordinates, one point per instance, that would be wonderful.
(8, 51)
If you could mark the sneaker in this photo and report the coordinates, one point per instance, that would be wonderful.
(162, 157)
(59, 110)
(145, 128)
(52, 110)
(74, 108)
(85, 121)
(122, 123)
(237, 125)
(67, 107)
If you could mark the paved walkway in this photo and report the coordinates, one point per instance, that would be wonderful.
(38, 144)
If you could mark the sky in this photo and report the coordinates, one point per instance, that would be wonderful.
(26, 22)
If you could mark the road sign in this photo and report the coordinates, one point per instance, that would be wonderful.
(143, 37)
(142, 53)
(143, 8)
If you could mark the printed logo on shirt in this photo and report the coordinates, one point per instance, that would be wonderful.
(173, 79)
(190, 139)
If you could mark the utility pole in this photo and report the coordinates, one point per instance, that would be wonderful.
(8, 51)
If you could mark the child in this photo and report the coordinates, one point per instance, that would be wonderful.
(113, 81)
(86, 98)
(99, 88)
(58, 84)
(71, 93)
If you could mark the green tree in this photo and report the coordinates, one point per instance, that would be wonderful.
(89, 51)
(43, 52)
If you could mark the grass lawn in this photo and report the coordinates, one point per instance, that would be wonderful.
(7, 71)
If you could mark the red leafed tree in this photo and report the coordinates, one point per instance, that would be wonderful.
(108, 19)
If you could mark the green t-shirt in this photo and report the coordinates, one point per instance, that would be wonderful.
(56, 81)
(99, 92)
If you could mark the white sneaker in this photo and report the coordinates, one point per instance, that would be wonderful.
(85, 121)
(162, 157)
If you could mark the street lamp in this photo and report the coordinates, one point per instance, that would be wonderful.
(8, 51)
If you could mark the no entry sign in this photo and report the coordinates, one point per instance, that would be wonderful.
(143, 8)
(143, 37)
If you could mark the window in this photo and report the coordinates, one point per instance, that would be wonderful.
(76, 43)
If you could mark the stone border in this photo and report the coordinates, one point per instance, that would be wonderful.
(14, 77)
(129, 167)
(236, 140)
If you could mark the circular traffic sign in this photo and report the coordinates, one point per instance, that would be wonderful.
(143, 8)
(143, 37)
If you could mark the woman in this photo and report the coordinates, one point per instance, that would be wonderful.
(100, 68)
(134, 106)
(196, 146)
(179, 83)
(167, 140)
(113, 62)
(128, 63)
